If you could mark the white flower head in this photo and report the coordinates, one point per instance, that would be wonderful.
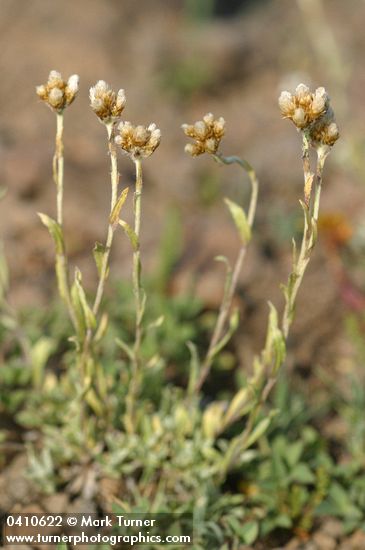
(138, 141)
(206, 133)
(304, 107)
(57, 93)
(106, 104)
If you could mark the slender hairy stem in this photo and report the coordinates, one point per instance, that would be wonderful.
(58, 163)
(321, 158)
(114, 178)
(228, 295)
(308, 239)
(308, 176)
(61, 258)
(137, 286)
(138, 297)
(295, 279)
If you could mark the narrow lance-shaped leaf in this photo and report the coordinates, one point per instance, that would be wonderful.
(314, 234)
(94, 402)
(130, 234)
(258, 432)
(310, 230)
(228, 278)
(98, 252)
(308, 187)
(240, 220)
(79, 312)
(279, 345)
(89, 317)
(55, 231)
(275, 348)
(126, 348)
(101, 330)
(240, 405)
(306, 214)
(293, 276)
(231, 452)
(40, 353)
(114, 216)
(243, 441)
(194, 367)
(156, 323)
(212, 419)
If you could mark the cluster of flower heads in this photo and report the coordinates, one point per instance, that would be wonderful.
(311, 112)
(106, 104)
(138, 141)
(207, 134)
(57, 93)
(325, 132)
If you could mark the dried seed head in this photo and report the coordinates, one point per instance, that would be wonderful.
(57, 93)
(207, 134)
(105, 103)
(312, 112)
(304, 107)
(137, 141)
(325, 130)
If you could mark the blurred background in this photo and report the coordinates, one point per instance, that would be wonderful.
(178, 60)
